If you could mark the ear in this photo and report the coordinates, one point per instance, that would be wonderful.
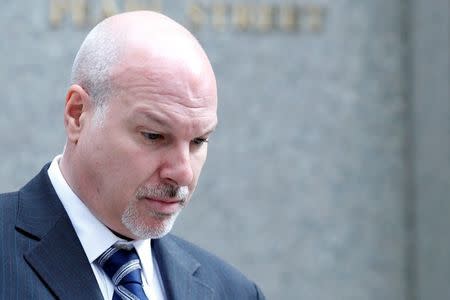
(77, 106)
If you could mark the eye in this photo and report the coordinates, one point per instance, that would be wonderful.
(199, 141)
(152, 136)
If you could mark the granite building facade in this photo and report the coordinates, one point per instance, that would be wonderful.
(329, 174)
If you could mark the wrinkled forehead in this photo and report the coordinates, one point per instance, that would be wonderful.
(187, 76)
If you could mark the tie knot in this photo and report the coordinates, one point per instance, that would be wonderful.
(121, 265)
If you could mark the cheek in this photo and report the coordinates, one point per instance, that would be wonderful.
(118, 164)
(142, 166)
(198, 160)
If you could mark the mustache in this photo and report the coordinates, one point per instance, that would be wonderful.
(163, 191)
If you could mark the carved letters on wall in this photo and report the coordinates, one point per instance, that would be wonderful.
(218, 15)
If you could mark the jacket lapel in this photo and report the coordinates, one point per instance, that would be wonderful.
(57, 256)
(178, 270)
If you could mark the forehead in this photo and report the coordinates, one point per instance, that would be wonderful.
(168, 83)
(166, 68)
(167, 100)
(168, 119)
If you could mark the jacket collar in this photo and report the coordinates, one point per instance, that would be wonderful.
(57, 256)
(179, 271)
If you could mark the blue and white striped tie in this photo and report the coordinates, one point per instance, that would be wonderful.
(124, 269)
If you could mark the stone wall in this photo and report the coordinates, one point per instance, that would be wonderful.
(319, 175)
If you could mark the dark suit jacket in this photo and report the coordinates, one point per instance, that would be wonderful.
(42, 257)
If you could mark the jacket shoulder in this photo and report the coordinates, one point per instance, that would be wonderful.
(8, 202)
(8, 214)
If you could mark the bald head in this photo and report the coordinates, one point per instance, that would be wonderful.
(140, 39)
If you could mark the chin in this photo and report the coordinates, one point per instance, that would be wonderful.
(153, 226)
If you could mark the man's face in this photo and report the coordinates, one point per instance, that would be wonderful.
(142, 162)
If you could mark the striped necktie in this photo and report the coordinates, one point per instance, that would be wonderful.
(124, 269)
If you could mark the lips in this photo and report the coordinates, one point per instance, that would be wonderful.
(164, 206)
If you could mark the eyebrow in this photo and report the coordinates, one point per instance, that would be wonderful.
(153, 117)
(210, 131)
(150, 115)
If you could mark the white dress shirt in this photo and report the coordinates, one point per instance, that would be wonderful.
(95, 238)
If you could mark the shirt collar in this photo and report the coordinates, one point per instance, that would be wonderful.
(94, 236)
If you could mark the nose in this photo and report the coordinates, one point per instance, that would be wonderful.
(177, 168)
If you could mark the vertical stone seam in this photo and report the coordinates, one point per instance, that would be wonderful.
(410, 201)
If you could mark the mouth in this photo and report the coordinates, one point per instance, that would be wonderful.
(164, 206)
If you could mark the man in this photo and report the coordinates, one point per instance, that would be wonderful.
(94, 223)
